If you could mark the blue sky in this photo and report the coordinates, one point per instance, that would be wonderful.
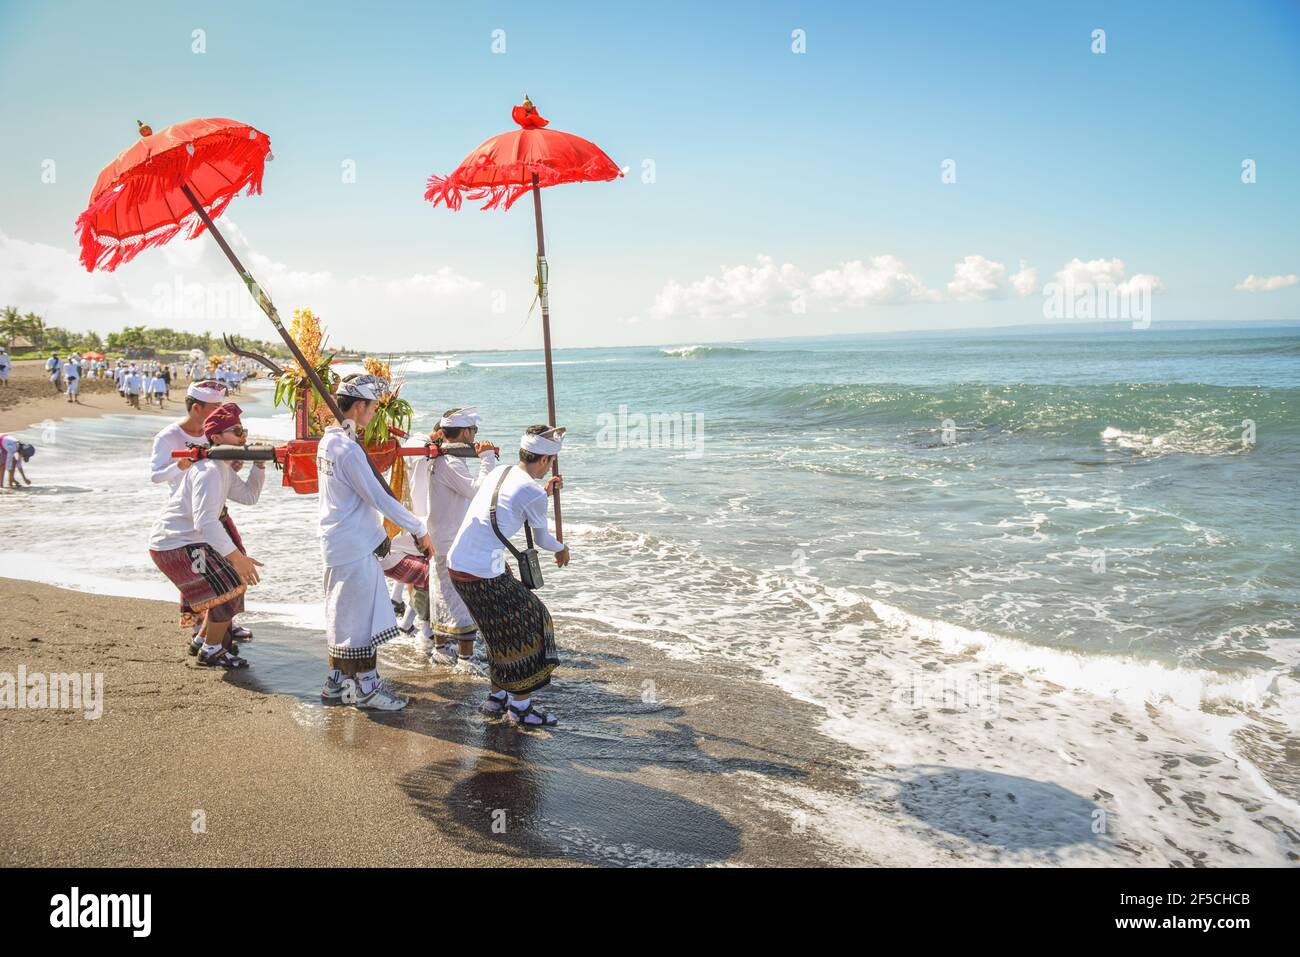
(816, 161)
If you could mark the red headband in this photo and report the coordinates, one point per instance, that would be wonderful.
(222, 418)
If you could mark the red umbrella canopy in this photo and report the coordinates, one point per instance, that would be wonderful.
(137, 201)
(92, 355)
(502, 168)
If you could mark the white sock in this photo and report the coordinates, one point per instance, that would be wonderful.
(336, 676)
(521, 703)
(208, 649)
(368, 680)
(409, 618)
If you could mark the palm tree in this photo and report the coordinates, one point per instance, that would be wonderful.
(11, 323)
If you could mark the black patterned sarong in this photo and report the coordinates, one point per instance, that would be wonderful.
(516, 627)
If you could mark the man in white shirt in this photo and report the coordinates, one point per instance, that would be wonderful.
(72, 373)
(54, 368)
(449, 487)
(201, 400)
(358, 614)
(192, 547)
(5, 365)
(514, 623)
(133, 384)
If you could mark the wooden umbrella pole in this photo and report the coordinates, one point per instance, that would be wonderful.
(268, 307)
(546, 341)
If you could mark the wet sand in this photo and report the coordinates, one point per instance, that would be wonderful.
(652, 766)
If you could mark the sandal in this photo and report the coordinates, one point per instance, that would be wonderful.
(494, 707)
(241, 633)
(516, 716)
(197, 644)
(222, 659)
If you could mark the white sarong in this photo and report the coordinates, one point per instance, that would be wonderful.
(358, 615)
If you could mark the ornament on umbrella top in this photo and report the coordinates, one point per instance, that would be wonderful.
(145, 128)
(526, 115)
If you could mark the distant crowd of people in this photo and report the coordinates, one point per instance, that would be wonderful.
(149, 380)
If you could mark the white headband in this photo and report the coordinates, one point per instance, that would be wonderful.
(541, 444)
(460, 419)
(368, 387)
(203, 392)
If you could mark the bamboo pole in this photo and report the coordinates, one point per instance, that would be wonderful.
(546, 341)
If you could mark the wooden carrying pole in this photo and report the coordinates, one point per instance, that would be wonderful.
(546, 342)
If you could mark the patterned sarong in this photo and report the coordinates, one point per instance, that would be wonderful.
(410, 570)
(444, 609)
(516, 627)
(207, 582)
(190, 616)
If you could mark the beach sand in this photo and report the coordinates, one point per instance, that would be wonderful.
(29, 400)
(673, 776)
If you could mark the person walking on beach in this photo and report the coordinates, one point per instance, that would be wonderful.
(515, 624)
(358, 613)
(133, 383)
(451, 488)
(54, 368)
(159, 389)
(192, 547)
(5, 365)
(72, 371)
(201, 400)
(12, 456)
(406, 567)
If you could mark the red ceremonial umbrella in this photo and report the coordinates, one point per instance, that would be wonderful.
(505, 167)
(178, 181)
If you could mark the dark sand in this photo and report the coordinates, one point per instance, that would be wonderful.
(680, 771)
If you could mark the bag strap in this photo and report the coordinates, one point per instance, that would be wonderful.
(492, 514)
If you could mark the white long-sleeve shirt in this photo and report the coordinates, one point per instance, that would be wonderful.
(193, 513)
(476, 549)
(352, 501)
(451, 488)
(164, 468)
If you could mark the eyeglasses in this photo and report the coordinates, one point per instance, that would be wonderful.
(239, 430)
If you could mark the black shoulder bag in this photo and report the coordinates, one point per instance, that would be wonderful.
(530, 566)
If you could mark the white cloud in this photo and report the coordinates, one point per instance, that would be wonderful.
(733, 294)
(444, 281)
(1025, 282)
(976, 279)
(884, 280)
(50, 281)
(189, 285)
(1105, 272)
(1253, 283)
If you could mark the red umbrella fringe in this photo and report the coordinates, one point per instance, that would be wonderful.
(451, 191)
(155, 176)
